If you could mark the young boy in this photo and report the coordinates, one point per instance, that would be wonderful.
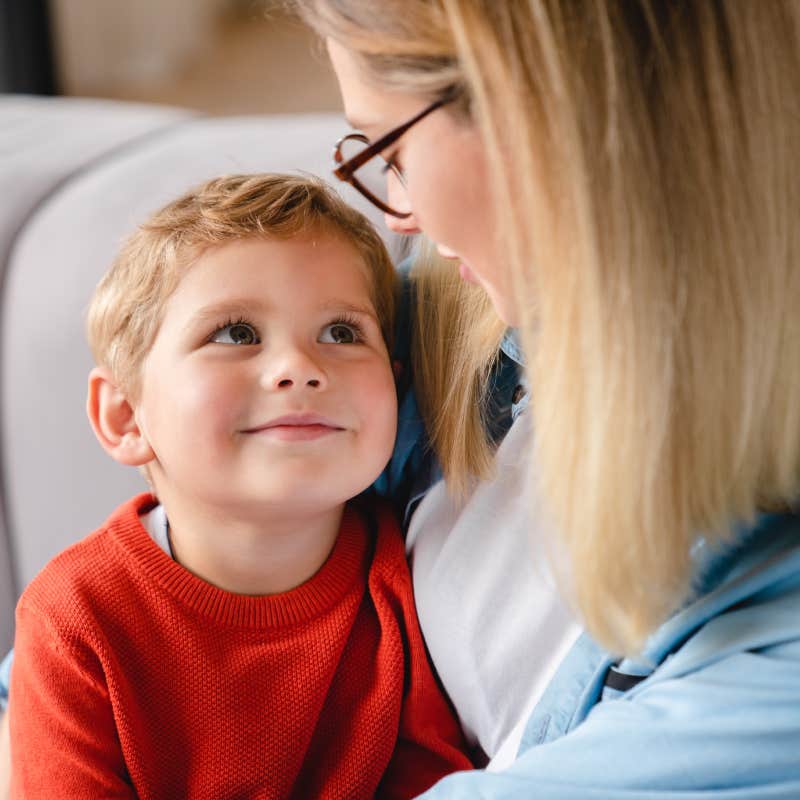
(244, 631)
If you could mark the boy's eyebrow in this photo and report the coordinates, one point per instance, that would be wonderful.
(242, 307)
(231, 308)
(349, 307)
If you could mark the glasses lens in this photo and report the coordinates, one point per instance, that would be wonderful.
(376, 176)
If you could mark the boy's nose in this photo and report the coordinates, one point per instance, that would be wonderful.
(294, 370)
(287, 383)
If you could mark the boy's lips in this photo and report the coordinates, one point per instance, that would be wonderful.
(297, 427)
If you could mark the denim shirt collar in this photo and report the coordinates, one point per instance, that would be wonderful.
(511, 347)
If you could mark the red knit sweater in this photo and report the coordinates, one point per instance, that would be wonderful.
(134, 678)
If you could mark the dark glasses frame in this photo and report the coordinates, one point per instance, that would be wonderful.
(347, 168)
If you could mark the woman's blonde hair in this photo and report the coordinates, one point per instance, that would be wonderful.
(127, 306)
(649, 212)
(455, 341)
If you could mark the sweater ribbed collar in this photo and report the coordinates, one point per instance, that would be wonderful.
(343, 574)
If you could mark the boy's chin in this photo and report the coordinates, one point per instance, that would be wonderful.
(291, 504)
(295, 493)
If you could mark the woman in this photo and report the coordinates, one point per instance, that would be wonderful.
(621, 178)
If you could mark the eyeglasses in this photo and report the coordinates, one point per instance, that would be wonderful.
(354, 154)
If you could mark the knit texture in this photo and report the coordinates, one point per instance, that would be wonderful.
(134, 678)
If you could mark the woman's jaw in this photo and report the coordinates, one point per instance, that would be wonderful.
(503, 305)
(463, 269)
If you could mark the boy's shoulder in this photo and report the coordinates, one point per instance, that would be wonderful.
(90, 571)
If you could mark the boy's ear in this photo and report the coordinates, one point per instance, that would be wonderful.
(113, 421)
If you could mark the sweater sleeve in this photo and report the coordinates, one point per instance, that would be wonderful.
(63, 735)
(430, 743)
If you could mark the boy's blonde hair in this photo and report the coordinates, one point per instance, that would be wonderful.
(649, 212)
(126, 310)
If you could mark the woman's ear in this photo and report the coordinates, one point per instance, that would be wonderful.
(113, 421)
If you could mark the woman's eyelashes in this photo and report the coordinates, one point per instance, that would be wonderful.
(343, 330)
(391, 163)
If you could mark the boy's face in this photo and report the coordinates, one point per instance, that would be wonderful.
(268, 386)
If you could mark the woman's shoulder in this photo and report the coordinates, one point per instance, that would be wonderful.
(719, 672)
(714, 710)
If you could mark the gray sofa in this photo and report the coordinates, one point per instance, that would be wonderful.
(75, 177)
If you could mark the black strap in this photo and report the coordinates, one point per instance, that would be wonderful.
(621, 681)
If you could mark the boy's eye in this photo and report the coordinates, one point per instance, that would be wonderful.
(339, 333)
(236, 333)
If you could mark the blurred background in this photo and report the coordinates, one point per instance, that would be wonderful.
(222, 57)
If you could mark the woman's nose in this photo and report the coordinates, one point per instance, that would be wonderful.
(405, 225)
(397, 195)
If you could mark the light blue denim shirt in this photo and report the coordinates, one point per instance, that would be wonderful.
(717, 715)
